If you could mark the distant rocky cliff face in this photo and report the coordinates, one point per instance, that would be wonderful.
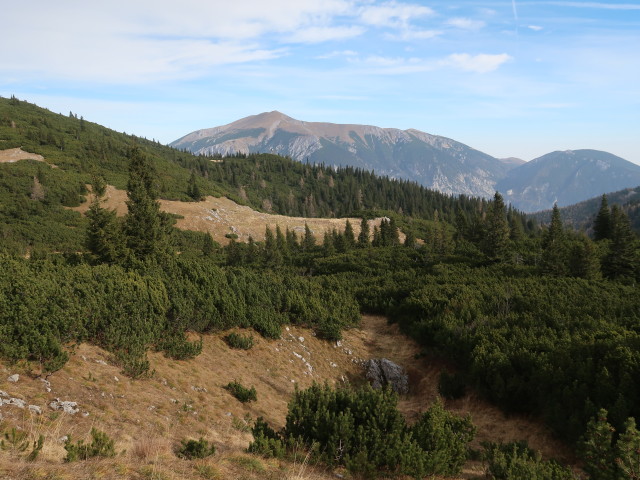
(433, 161)
(436, 162)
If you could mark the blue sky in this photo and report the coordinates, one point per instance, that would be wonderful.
(510, 78)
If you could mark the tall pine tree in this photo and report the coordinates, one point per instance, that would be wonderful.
(602, 222)
(554, 246)
(363, 236)
(622, 259)
(496, 239)
(146, 228)
(103, 237)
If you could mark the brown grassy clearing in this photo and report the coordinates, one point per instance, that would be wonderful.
(147, 418)
(13, 155)
(221, 216)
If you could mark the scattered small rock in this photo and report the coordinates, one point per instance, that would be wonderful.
(47, 384)
(334, 365)
(198, 389)
(102, 362)
(16, 402)
(85, 414)
(338, 344)
(116, 378)
(35, 409)
(14, 378)
(65, 406)
(63, 439)
(3, 394)
(301, 339)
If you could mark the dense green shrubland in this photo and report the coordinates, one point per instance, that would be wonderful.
(364, 431)
(540, 321)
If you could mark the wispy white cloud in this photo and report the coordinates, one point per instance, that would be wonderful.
(465, 23)
(393, 14)
(338, 53)
(325, 34)
(535, 28)
(409, 34)
(481, 63)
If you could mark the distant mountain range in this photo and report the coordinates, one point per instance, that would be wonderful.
(436, 162)
(566, 178)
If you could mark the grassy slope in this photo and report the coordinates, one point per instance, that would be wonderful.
(147, 418)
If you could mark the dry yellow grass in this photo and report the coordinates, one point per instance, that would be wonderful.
(221, 216)
(147, 418)
(12, 155)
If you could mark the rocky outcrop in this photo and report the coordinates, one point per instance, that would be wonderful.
(382, 372)
(65, 406)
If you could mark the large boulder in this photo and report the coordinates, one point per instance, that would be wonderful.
(382, 372)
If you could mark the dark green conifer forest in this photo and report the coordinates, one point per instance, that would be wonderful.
(540, 320)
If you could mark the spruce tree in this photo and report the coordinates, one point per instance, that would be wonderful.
(393, 233)
(349, 236)
(308, 241)
(327, 244)
(554, 253)
(583, 260)
(596, 448)
(621, 261)
(208, 246)
(602, 222)
(496, 239)
(272, 255)
(410, 239)
(628, 451)
(363, 236)
(103, 237)
(146, 228)
(192, 189)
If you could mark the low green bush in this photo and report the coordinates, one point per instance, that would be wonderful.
(101, 446)
(190, 449)
(516, 461)
(242, 393)
(242, 342)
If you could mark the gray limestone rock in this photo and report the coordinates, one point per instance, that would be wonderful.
(65, 406)
(382, 372)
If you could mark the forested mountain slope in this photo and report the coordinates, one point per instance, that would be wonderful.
(566, 178)
(541, 322)
(581, 215)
